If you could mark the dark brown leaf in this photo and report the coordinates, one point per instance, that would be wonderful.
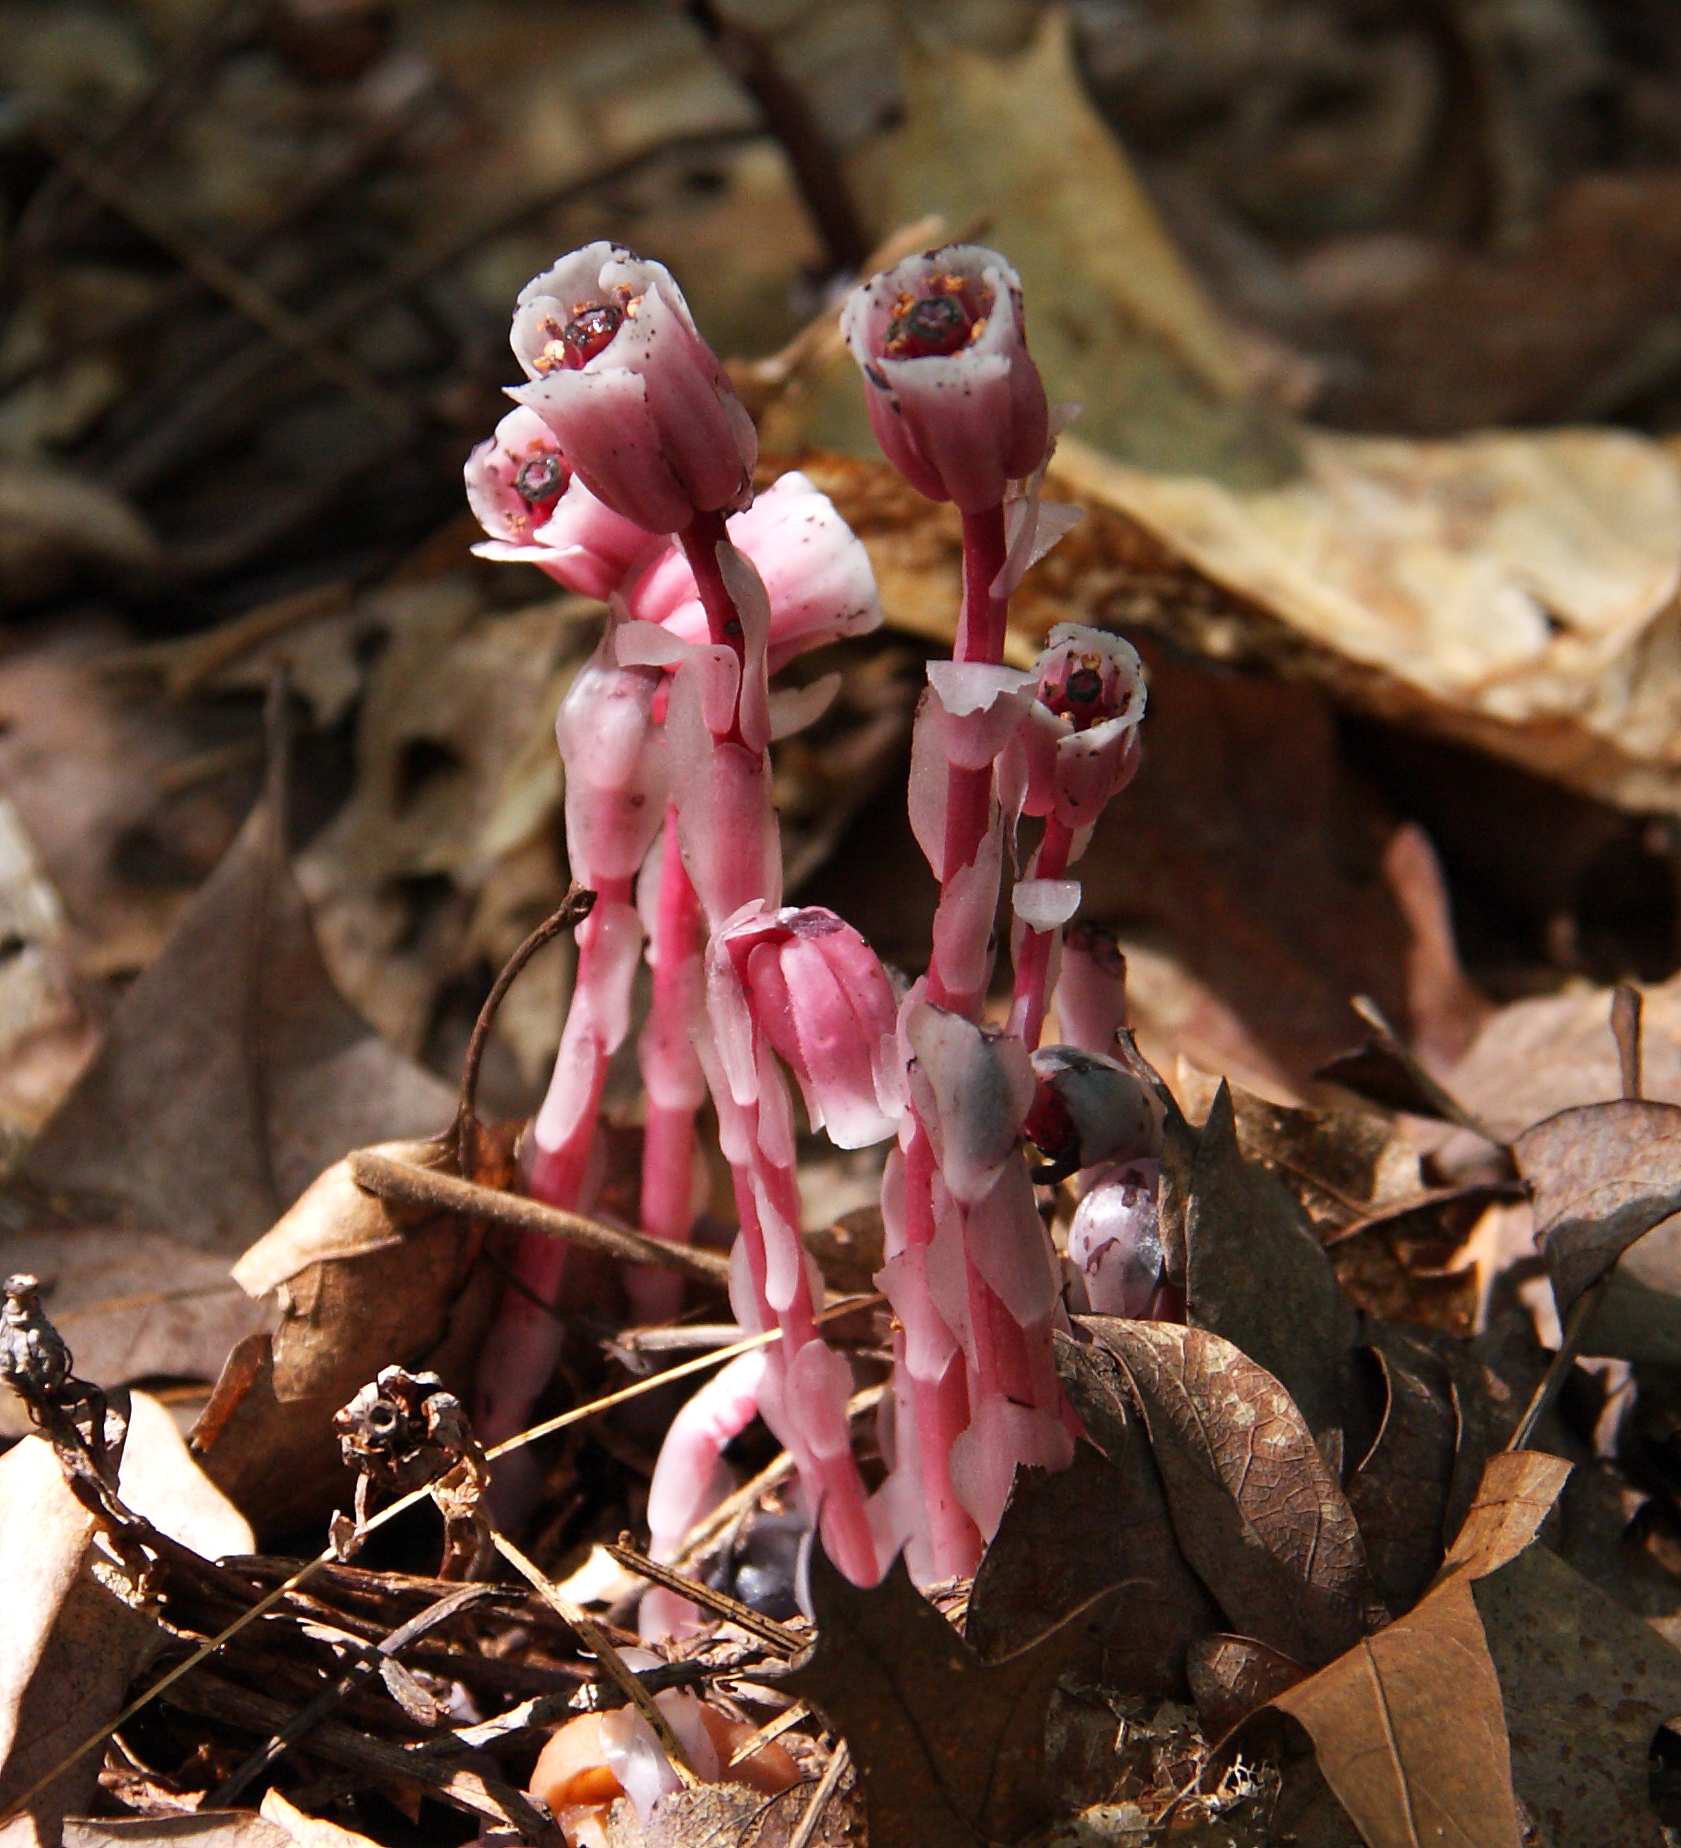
(1069, 1536)
(1231, 1676)
(1258, 1512)
(1408, 1725)
(1585, 1685)
(234, 1072)
(1399, 1491)
(360, 1287)
(1373, 1072)
(1258, 1277)
(1602, 1175)
(950, 1749)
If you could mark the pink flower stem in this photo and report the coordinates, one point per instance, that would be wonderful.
(942, 1406)
(1034, 966)
(833, 1480)
(526, 1340)
(668, 1137)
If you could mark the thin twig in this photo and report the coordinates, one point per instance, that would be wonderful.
(827, 1785)
(249, 297)
(307, 1718)
(777, 1635)
(216, 1699)
(573, 909)
(598, 1643)
(431, 1190)
(1627, 1011)
(770, 1731)
(328, 1557)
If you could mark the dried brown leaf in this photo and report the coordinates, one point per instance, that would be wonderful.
(1585, 1686)
(950, 1749)
(1259, 1514)
(1408, 1725)
(1231, 1676)
(71, 1637)
(1068, 1536)
(1602, 1175)
(233, 1072)
(1399, 1489)
(1258, 1277)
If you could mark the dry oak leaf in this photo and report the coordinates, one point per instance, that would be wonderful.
(71, 1639)
(1258, 1512)
(950, 1749)
(1069, 1535)
(1256, 1275)
(234, 1071)
(1408, 1725)
(359, 1285)
(1602, 1176)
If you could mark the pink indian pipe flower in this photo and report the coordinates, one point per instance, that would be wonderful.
(1078, 748)
(641, 405)
(814, 569)
(953, 395)
(1115, 1245)
(1088, 1109)
(537, 512)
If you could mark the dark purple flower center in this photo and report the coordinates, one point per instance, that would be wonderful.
(931, 326)
(1079, 695)
(541, 478)
(589, 332)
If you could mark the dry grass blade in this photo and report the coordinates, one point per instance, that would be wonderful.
(772, 1729)
(780, 1638)
(827, 1785)
(599, 1644)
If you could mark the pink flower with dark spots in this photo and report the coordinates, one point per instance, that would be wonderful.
(953, 395)
(1081, 736)
(641, 405)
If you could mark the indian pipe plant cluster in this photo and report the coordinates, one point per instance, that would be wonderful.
(626, 473)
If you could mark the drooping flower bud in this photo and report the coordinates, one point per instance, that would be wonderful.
(1081, 736)
(954, 398)
(644, 411)
(821, 997)
(1115, 1243)
(1087, 1110)
(538, 513)
(814, 568)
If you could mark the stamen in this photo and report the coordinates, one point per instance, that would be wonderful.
(589, 332)
(931, 326)
(541, 478)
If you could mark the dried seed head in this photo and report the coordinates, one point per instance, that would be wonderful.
(34, 1360)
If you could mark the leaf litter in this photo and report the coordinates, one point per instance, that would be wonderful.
(1288, 1508)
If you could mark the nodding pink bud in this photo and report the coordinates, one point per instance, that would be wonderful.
(1115, 1242)
(515, 477)
(1087, 1109)
(822, 999)
(954, 398)
(1082, 737)
(642, 407)
(814, 568)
